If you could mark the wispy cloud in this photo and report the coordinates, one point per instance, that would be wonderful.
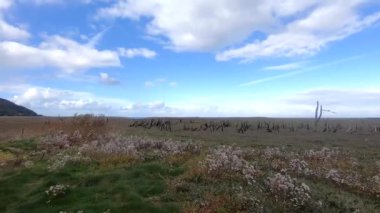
(153, 106)
(93, 42)
(298, 72)
(160, 82)
(289, 66)
(263, 80)
(137, 52)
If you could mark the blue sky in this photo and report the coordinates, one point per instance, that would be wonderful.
(192, 57)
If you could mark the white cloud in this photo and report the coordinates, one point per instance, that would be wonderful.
(273, 78)
(51, 101)
(300, 71)
(152, 107)
(4, 4)
(47, 2)
(194, 24)
(290, 27)
(106, 79)
(94, 41)
(307, 36)
(56, 51)
(290, 66)
(10, 32)
(40, 2)
(13, 87)
(136, 52)
(44, 98)
(362, 102)
(346, 102)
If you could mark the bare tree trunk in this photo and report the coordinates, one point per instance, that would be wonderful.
(318, 115)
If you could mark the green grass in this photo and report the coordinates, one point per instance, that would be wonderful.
(133, 189)
(337, 200)
(18, 146)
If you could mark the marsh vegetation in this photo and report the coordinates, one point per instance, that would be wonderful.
(99, 164)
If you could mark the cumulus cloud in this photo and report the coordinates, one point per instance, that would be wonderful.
(136, 52)
(52, 101)
(194, 25)
(40, 97)
(106, 79)
(290, 27)
(56, 51)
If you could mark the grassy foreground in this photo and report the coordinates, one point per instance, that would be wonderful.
(88, 168)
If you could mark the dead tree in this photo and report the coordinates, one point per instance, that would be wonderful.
(244, 126)
(166, 125)
(318, 115)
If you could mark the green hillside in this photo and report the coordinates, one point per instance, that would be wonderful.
(8, 108)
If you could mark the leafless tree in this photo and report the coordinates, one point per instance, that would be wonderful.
(318, 115)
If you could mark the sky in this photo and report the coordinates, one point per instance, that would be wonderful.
(221, 58)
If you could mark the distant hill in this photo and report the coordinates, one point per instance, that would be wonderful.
(8, 108)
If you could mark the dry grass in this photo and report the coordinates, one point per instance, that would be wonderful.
(15, 128)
